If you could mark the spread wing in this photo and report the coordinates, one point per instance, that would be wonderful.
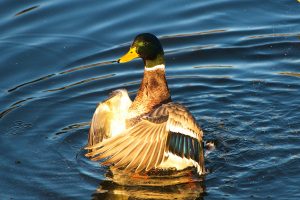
(168, 129)
(140, 148)
(184, 134)
(107, 113)
(100, 125)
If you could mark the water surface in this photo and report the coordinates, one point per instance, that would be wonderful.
(234, 64)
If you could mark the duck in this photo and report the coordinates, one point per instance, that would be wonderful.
(151, 132)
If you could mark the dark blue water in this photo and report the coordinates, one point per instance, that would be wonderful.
(234, 64)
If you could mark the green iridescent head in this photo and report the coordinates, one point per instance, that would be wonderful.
(147, 47)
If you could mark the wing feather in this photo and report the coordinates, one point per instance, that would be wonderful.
(153, 152)
(161, 148)
(114, 150)
(100, 124)
(137, 148)
(114, 153)
(143, 163)
(103, 146)
(107, 113)
(185, 135)
(169, 128)
(138, 159)
(132, 150)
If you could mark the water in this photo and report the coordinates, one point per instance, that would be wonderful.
(234, 64)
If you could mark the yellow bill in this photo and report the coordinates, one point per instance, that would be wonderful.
(130, 55)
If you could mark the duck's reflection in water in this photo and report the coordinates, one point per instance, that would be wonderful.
(153, 185)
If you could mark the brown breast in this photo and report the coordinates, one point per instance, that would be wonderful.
(152, 93)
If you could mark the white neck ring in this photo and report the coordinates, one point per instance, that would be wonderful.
(162, 66)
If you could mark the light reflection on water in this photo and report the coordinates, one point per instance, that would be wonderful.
(153, 185)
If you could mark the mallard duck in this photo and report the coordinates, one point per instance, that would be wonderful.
(152, 132)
